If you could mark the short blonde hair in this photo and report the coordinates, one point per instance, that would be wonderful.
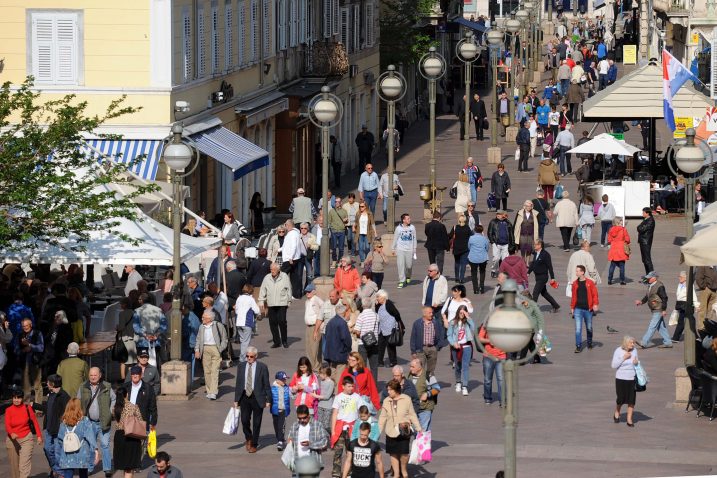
(626, 340)
(617, 221)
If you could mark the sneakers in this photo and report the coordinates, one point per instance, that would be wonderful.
(458, 387)
(400, 285)
(465, 391)
(280, 446)
(408, 281)
(578, 349)
(212, 396)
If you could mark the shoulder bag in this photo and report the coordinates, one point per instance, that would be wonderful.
(135, 428)
(369, 339)
(119, 351)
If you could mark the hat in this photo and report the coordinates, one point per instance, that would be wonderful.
(651, 274)
(135, 370)
(73, 348)
(281, 375)
(143, 353)
(310, 288)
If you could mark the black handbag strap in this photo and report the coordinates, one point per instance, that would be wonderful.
(92, 399)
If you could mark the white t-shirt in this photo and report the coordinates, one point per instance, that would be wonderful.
(351, 210)
(451, 306)
(554, 118)
(603, 67)
(347, 406)
(533, 128)
(208, 335)
(363, 224)
(302, 436)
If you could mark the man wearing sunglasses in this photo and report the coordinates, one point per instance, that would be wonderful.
(307, 436)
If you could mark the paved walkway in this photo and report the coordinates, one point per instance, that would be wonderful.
(565, 426)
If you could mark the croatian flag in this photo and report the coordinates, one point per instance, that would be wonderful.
(674, 75)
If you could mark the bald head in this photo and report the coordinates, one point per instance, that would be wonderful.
(95, 375)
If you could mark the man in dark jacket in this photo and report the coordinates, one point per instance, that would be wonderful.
(235, 283)
(428, 336)
(59, 301)
(461, 113)
(437, 240)
(29, 352)
(258, 269)
(365, 143)
(523, 142)
(500, 235)
(645, 232)
(479, 114)
(542, 267)
(252, 395)
(53, 408)
(337, 340)
(656, 300)
(142, 394)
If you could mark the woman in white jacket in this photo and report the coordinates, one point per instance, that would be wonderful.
(565, 214)
(245, 321)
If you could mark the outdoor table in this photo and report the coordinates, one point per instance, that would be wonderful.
(98, 344)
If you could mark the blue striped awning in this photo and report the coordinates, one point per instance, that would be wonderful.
(125, 151)
(472, 25)
(239, 154)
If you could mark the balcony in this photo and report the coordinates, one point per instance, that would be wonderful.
(323, 59)
(673, 8)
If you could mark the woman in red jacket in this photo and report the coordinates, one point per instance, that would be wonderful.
(21, 424)
(305, 385)
(363, 378)
(619, 252)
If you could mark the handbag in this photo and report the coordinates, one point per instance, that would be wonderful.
(505, 120)
(453, 193)
(626, 248)
(135, 428)
(369, 339)
(119, 351)
(30, 423)
(421, 449)
(404, 429)
(152, 444)
(674, 317)
(640, 375)
(486, 123)
(288, 457)
(231, 422)
(396, 337)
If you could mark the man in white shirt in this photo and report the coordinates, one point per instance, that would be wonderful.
(603, 67)
(565, 141)
(292, 253)
(312, 314)
(368, 188)
(133, 277)
(351, 207)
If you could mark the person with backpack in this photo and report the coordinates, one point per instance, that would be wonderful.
(211, 342)
(500, 235)
(246, 312)
(76, 445)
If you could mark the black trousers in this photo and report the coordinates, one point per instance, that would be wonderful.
(251, 415)
(294, 271)
(479, 128)
(382, 346)
(279, 425)
(541, 288)
(463, 129)
(565, 234)
(435, 256)
(474, 273)
(680, 327)
(277, 324)
(524, 153)
(646, 256)
(337, 173)
(364, 158)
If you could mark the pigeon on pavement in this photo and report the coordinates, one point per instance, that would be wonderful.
(610, 330)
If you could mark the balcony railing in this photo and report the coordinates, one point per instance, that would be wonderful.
(325, 59)
(674, 7)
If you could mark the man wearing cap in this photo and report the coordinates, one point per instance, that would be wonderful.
(365, 143)
(150, 373)
(312, 313)
(368, 187)
(656, 300)
(73, 370)
(142, 395)
(211, 342)
(301, 208)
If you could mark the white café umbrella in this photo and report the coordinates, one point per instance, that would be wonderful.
(605, 144)
(700, 250)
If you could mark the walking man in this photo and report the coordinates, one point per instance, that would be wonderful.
(523, 142)
(500, 235)
(582, 306)
(479, 114)
(338, 220)
(54, 408)
(565, 142)
(301, 208)
(437, 240)
(312, 314)
(274, 299)
(368, 187)
(211, 342)
(435, 290)
(252, 395)
(475, 179)
(645, 232)
(656, 300)
(427, 337)
(336, 160)
(364, 143)
(293, 253)
(98, 401)
(542, 267)
(606, 213)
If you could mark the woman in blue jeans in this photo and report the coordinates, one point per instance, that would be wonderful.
(460, 235)
(461, 334)
(364, 229)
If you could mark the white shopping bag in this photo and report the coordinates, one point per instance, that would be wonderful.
(231, 422)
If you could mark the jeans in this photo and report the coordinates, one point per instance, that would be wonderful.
(461, 261)
(474, 273)
(613, 264)
(363, 246)
(385, 208)
(541, 229)
(603, 82)
(244, 335)
(435, 256)
(581, 315)
(317, 264)
(564, 161)
(81, 472)
(370, 356)
(350, 240)
(491, 365)
(309, 269)
(604, 229)
(49, 448)
(378, 278)
(564, 85)
(474, 191)
(104, 444)
(462, 368)
(424, 418)
(338, 241)
(657, 323)
(369, 198)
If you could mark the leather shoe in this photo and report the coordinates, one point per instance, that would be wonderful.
(248, 444)
(252, 449)
(275, 346)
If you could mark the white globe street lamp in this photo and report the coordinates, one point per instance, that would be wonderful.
(467, 51)
(433, 67)
(391, 88)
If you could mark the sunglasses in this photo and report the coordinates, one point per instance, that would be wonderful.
(250, 356)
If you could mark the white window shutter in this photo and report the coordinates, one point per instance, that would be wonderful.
(215, 39)
(228, 35)
(66, 50)
(345, 28)
(328, 18)
(293, 23)
(281, 25)
(201, 44)
(369, 22)
(357, 28)
(42, 64)
(55, 48)
(241, 32)
(187, 47)
(254, 30)
(336, 12)
(713, 66)
(266, 20)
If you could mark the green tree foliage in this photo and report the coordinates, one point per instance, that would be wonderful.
(50, 187)
(402, 43)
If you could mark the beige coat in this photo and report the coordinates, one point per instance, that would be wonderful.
(583, 258)
(519, 218)
(547, 173)
(565, 213)
(390, 418)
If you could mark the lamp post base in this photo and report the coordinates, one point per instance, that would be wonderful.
(323, 286)
(548, 28)
(387, 241)
(176, 381)
(682, 386)
(494, 155)
(511, 132)
(537, 78)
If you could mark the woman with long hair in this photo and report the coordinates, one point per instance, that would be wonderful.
(460, 235)
(87, 455)
(365, 383)
(365, 229)
(396, 418)
(461, 332)
(256, 207)
(305, 384)
(127, 452)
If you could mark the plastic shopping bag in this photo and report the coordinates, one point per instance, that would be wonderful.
(231, 422)
(287, 458)
(421, 449)
(642, 378)
(413, 457)
(152, 444)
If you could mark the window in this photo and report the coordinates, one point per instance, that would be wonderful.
(266, 23)
(328, 17)
(56, 47)
(228, 36)
(335, 20)
(293, 23)
(241, 32)
(215, 38)
(369, 37)
(254, 40)
(356, 33)
(201, 44)
(303, 27)
(281, 25)
(187, 59)
(345, 33)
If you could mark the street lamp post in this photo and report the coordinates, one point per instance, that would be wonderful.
(689, 160)
(433, 67)
(392, 87)
(512, 26)
(467, 52)
(509, 329)
(325, 112)
(495, 39)
(177, 155)
(523, 17)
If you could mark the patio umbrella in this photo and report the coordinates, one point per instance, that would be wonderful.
(605, 144)
(700, 250)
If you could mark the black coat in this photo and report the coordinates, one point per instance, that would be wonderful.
(542, 266)
(478, 109)
(54, 408)
(146, 402)
(436, 236)
(258, 269)
(493, 231)
(235, 282)
(262, 385)
(461, 234)
(645, 231)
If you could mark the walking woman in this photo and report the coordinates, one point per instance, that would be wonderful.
(461, 332)
(365, 229)
(125, 327)
(478, 246)
(377, 259)
(256, 206)
(365, 383)
(586, 220)
(619, 241)
(525, 229)
(565, 213)
(450, 307)
(305, 385)
(459, 236)
(624, 360)
(500, 186)
(84, 459)
(21, 426)
(388, 317)
(127, 452)
(396, 418)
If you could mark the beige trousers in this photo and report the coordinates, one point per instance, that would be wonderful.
(313, 347)
(211, 361)
(19, 453)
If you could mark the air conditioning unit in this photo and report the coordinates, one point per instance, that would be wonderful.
(353, 71)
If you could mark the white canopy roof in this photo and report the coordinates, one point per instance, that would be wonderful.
(605, 144)
(639, 95)
(700, 250)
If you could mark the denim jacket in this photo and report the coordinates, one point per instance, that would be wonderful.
(84, 458)
(453, 331)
